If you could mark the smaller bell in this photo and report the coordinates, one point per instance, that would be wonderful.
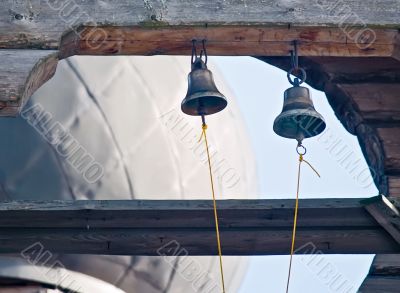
(203, 97)
(298, 119)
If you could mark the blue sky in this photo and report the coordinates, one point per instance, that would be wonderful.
(259, 91)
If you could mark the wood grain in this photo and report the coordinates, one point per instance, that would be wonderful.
(386, 265)
(391, 141)
(23, 72)
(38, 24)
(222, 40)
(384, 275)
(386, 214)
(248, 227)
(379, 103)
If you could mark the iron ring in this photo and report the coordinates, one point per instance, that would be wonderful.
(301, 147)
(303, 75)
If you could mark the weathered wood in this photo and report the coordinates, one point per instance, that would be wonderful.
(386, 265)
(161, 213)
(224, 40)
(379, 103)
(386, 214)
(355, 71)
(141, 227)
(394, 186)
(384, 274)
(38, 24)
(391, 141)
(380, 284)
(22, 73)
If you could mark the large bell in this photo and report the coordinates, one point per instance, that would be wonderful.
(298, 119)
(203, 97)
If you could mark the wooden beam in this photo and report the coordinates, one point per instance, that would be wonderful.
(394, 186)
(384, 275)
(378, 102)
(386, 214)
(22, 73)
(223, 40)
(136, 227)
(380, 284)
(38, 24)
(391, 142)
(386, 265)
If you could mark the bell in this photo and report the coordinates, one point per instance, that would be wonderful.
(298, 119)
(203, 97)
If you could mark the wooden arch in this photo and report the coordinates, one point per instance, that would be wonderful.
(350, 49)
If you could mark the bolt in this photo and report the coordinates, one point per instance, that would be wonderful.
(18, 16)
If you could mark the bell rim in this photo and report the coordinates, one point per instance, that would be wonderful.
(198, 96)
(308, 112)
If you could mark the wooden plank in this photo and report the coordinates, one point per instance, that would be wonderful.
(386, 265)
(390, 138)
(22, 73)
(380, 284)
(379, 103)
(160, 213)
(223, 40)
(384, 275)
(135, 227)
(38, 24)
(394, 186)
(386, 214)
(353, 70)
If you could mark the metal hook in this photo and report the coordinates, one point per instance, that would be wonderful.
(296, 56)
(205, 51)
(298, 80)
(295, 67)
(194, 53)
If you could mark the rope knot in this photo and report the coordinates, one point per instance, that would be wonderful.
(203, 133)
(301, 158)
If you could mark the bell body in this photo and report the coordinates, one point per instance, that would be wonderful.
(203, 97)
(298, 119)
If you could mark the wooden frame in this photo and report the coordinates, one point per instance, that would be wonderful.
(34, 37)
(135, 227)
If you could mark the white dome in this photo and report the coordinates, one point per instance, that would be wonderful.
(125, 113)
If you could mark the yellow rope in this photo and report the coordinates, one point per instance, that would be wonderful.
(301, 159)
(204, 127)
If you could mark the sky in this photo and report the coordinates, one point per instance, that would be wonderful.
(259, 88)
